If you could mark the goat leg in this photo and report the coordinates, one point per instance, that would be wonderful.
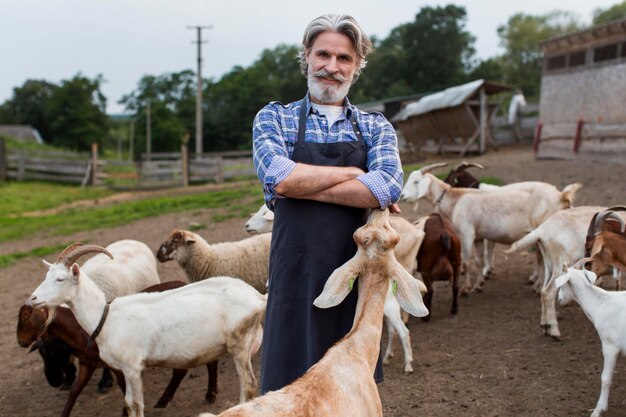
(106, 382)
(211, 392)
(84, 374)
(168, 394)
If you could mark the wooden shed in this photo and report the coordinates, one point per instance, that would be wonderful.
(582, 111)
(456, 119)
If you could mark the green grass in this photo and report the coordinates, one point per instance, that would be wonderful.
(8, 259)
(20, 197)
(83, 219)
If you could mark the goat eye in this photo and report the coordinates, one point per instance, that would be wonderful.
(60, 279)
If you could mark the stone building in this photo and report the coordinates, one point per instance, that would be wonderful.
(582, 111)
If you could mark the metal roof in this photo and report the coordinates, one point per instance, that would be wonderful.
(450, 97)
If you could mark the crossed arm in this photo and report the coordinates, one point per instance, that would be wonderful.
(336, 185)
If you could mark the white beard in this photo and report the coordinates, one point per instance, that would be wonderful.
(327, 94)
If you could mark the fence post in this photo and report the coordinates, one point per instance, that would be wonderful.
(3, 160)
(184, 157)
(21, 166)
(94, 163)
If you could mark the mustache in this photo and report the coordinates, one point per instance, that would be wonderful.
(325, 74)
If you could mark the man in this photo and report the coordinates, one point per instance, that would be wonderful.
(323, 164)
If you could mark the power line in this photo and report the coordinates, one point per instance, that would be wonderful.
(199, 42)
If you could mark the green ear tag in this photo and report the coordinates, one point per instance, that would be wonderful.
(394, 287)
(351, 283)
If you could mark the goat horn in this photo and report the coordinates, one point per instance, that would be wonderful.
(592, 226)
(83, 250)
(429, 168)
(617, 208)
(581, 263)
(67, 250)
(618, 219)
(464, 165)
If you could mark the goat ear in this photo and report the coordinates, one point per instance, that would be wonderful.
(48, 264)
(591, 276)
(75, 270)
(407, 291)
(268, 215)
(561, 280)
(338, 285)
(190, 239)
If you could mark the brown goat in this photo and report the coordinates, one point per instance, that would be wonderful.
(459, 177)
(439, 258)
(32, 325)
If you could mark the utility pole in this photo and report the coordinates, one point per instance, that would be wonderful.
(148, 132)
(199, 42)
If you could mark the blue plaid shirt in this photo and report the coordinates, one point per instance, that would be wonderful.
(275, 132)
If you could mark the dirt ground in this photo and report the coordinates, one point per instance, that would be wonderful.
(490, 360)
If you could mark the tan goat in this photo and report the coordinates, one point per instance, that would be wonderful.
(342, 382)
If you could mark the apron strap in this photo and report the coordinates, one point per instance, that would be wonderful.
(303, 116)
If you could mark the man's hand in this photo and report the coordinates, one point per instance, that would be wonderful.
(394, 209)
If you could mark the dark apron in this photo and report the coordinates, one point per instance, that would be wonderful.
(310, 240)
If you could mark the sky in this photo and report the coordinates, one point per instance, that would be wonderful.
(123, 40)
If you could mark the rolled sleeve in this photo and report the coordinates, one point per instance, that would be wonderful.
(378, 187)
(279, 169)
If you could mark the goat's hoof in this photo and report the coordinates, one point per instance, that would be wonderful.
(425, 318)
(408, 370)
(161, 403)
(477, 289)
(210, 398)
(555, 337)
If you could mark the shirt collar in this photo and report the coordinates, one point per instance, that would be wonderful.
(347, 107)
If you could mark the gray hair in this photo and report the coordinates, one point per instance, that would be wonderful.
(343, 24)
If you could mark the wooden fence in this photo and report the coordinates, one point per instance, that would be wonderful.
(160, 171)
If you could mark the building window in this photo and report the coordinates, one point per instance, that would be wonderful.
(623, 54)
(556, 62)
(604, 53)
(577, 59)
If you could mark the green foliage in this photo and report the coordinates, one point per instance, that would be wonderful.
(24, 196)
(520, 38)
(76, 113)
(27, 106)
(411, 59)
(617, 11)
(491, 69)
(237, 200)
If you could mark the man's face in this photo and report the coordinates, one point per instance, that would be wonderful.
(332, 63)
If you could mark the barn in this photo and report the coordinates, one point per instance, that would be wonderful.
(457, 119)
(582, 112)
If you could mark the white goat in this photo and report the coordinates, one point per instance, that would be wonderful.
(503, 215)
(405, 252)
(607, 312)
(247, 259)
(181, 328)
(134, 269)
(561, 239)
(342, 382)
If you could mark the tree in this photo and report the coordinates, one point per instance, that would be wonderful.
(617, 11)
(430, 53)
(76, 113)
(520, 38)
(27, 106)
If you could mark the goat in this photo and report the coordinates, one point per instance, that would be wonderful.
(406, 254)
(247, 259)
(57, 356)
(603, 222)
(459, 177)
(62, 325)
(561, 239)
(180, 328)
(609, 249)
(607, 312)
(503, 215)
(342, 383)
(439, 258)
(135, 268)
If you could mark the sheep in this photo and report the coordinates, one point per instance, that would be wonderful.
(503, 215)
(439, 257)
(561, 239)
(134, 268)
(247, 259)
(180, 328)
(607, 312)
(406, 254)
(342, 383)
(62, 325)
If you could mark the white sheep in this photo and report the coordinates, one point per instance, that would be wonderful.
(503, 215)
(342, 382)
(405, 252)
(607, 312)
(247, 259)
(561, 239)
(181, 328)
